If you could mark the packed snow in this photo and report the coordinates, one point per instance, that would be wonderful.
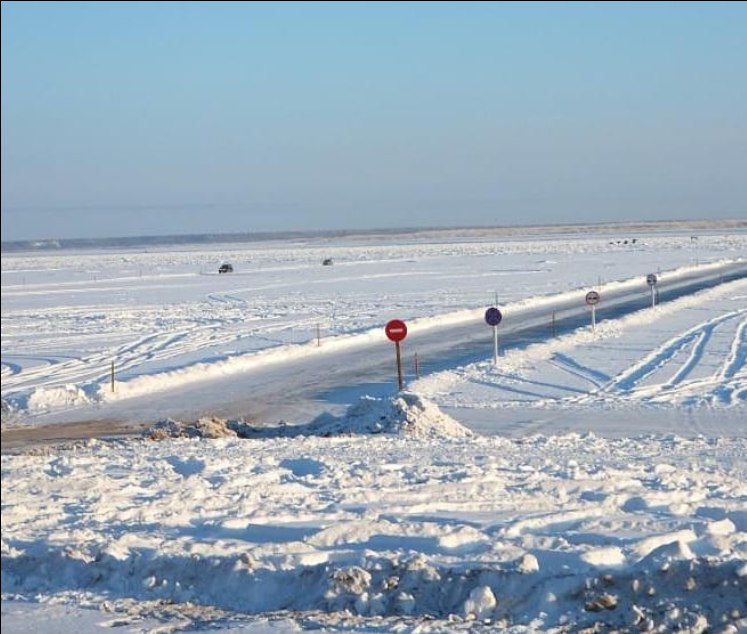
(590, 481)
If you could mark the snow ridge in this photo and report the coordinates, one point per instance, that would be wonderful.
(406, 414)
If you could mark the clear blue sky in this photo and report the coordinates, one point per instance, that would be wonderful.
(148, 118)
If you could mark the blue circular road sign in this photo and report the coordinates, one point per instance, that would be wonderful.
(493, 316)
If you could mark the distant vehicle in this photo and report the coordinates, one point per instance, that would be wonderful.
(327, 262)
(225, 268)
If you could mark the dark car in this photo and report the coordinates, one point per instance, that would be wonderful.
(225, 268)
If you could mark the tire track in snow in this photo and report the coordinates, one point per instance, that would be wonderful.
(225, 298)
(738, 353)
(731, 379)
(696, 354)
(626, 385)
(96, 367)
(10, 369)
(90, 370)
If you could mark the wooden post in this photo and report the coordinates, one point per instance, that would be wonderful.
(318, 336)
(112, 375)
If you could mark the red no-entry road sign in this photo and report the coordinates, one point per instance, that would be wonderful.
(396, 330)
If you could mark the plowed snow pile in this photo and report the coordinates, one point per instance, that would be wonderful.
(406, 414)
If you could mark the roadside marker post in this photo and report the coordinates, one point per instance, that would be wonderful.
(493, 317)
(396, 331)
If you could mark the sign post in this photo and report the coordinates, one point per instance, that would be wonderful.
(396, 331)
(652, 281)
(493, 317)
(592, 299)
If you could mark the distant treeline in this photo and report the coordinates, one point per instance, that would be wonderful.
(202, 238)
(420, 232)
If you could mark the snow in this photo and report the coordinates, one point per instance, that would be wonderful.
(689, 352)
(592, 481)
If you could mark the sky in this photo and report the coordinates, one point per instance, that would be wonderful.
(150, 118)
(592, 480)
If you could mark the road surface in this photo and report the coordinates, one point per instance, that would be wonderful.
(296, 391)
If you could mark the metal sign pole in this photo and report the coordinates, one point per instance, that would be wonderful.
(493, 317)
(593, 318)
(495, 336)
(653, 297)
(399, 365)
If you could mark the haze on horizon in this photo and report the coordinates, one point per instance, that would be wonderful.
(165, 118)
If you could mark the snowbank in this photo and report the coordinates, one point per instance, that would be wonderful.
(406, 414)
(384, 531)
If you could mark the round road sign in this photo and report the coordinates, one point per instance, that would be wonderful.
(592, 297)
(651, 279)
(396, 330)
(493, 316)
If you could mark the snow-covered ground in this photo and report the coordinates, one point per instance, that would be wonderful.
(593, 481)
